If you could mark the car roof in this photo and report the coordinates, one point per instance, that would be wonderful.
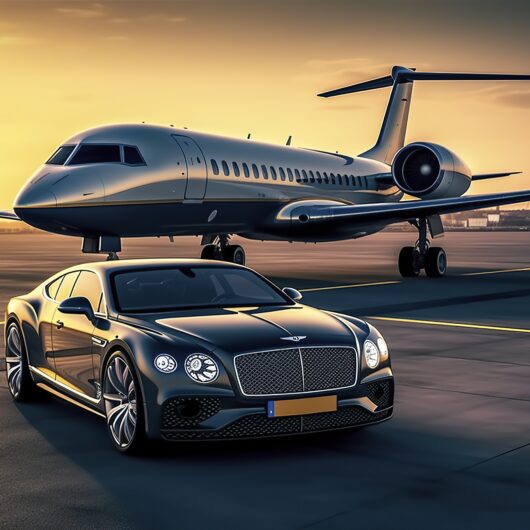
(130, 264)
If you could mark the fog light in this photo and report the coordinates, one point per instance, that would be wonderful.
(201, 368)
(165, 363)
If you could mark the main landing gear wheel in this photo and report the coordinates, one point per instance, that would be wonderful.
(412, 259)
(234, 254)
(408, 262)
(221, 250)
(19, 382)
(123, 405)
(435, 262)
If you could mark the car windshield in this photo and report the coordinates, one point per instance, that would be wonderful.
(153, 290)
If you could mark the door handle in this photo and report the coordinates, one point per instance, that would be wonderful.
(59, 324)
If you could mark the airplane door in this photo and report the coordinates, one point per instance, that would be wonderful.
(196, 167)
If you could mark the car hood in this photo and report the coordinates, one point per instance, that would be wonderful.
(235, 330)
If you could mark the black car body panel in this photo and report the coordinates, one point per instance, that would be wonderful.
(70, 358)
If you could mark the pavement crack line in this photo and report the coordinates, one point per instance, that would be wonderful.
(494, 457)
(463, 392)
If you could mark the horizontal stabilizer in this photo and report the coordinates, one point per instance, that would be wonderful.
(485, 176)
(406, 75)
(9, 215)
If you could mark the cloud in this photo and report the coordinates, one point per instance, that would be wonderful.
(508, 93)
(91, 11)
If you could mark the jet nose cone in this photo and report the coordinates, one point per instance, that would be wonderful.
(34, 196)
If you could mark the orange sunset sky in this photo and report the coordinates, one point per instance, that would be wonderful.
(232, 67)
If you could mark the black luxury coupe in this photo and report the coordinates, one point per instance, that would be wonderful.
(194, 350)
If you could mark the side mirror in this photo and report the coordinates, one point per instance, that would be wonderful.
(79, 305)
(292, 293)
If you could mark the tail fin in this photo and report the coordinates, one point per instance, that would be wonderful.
(392, 134)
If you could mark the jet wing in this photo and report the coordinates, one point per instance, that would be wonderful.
(386, 179)
(9, 215)
(403, 211)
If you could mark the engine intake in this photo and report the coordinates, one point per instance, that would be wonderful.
(430, 171)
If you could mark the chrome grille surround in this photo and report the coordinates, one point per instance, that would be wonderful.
(302, 370)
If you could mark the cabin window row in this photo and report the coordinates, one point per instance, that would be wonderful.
(302, 176)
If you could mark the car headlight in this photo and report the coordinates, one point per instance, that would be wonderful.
(383, 348)
(165, 363)
(371, 354)
(201, 368)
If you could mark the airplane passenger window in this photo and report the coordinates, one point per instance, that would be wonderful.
(273, 173)
(61, 155)
(96, 154)
(289, 174)
(264, 171)
(346, 180)
(332, 178)
(282, 174)
(226, 171)
(319, 177)
(339, 178)
(365, 182)
(236, 169)
(304, 175)
(311, 176)
(215, 167)
(245, 170)
(326, 178)
(297, 175)
(132, 156)
(255, 171)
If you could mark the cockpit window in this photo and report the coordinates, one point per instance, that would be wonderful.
(132, 156)
(61, 155)
(96, 154)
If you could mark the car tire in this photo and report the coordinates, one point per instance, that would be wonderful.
(407, 262)
(235, 254)
(124, 408)
(19, 381)
(209, 252)
(435, 262)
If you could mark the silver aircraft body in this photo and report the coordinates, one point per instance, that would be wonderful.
(136, 180)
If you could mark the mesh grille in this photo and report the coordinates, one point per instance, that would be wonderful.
(296, 370)
(259, 425)
(171, 411)
(275, 372)
(381, 392)
(328, 368)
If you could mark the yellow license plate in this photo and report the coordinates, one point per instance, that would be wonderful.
(297, 407)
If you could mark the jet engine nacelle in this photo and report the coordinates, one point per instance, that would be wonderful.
(430, 171)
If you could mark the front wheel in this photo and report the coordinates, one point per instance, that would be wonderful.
(21, 386)
(123, 405)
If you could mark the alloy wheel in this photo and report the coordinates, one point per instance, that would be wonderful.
(14, 360)
(120, 396)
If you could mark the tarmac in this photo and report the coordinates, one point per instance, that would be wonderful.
(455, 454)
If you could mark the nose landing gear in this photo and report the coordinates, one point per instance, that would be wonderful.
(218, 248)
(422, 256)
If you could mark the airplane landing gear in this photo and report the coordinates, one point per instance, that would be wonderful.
(220, 249)
(422, 256)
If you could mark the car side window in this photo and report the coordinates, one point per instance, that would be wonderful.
(88, 286)
(53, 287)
(66, 286)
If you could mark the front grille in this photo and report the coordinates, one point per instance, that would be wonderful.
(176, 411)
(259, 425)
(296, 370)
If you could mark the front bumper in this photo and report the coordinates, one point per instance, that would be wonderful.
(219, 418)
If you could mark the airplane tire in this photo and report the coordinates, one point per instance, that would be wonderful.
(235, 254)
(407, 263)
(435, 262)
(209, 252)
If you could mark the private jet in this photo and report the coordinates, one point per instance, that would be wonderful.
(140, 180)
